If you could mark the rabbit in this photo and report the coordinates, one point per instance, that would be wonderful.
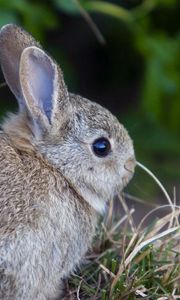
(62, 158)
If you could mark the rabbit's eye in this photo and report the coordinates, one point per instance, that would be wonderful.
(101, 147)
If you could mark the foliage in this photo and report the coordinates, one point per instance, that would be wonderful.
(35, 17)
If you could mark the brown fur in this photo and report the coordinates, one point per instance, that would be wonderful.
(52, 184)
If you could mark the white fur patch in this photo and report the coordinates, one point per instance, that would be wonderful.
(98, 204)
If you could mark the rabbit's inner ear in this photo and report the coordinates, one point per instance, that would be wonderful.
(41, 77)
(38, 78)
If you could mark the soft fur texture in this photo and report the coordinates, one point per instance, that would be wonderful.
(52, 185)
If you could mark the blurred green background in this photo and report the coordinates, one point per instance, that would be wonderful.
(123, 54)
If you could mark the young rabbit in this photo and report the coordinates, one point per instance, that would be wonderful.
(62, 157)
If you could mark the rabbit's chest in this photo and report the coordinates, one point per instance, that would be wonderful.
(49, 251)
(67, 233)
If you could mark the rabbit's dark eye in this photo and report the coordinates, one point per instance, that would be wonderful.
(101, 147)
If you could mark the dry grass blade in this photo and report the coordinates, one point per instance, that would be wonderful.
(141, 293)
(147, 242)
(161, 223)
(91, 23)
(78, 289)
(115, 227)
(126, 209)
(158, 182)
(139, 200)
(107, 270)
(154, 210)
(174, 297)
(171, 203)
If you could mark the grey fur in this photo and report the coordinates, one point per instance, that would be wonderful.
(52, 186)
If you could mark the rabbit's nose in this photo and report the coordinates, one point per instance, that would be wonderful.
(130, 164)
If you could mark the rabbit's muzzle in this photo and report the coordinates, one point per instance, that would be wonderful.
(130, 164)
(129, 168)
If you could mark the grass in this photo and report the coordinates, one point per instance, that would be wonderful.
(129, 262)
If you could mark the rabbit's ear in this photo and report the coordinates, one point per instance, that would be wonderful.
(43, 88)
(13, 40)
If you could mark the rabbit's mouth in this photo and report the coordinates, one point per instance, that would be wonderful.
(126, 179)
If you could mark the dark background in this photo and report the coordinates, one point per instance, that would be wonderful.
(134, 72)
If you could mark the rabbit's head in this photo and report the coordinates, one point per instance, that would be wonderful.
(83, 140)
